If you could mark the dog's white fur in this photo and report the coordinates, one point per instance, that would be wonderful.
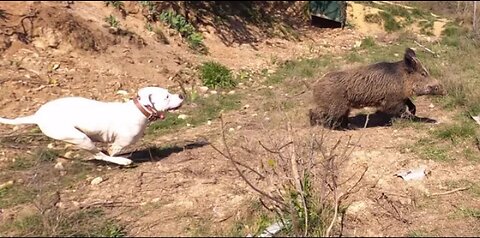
(81, 121)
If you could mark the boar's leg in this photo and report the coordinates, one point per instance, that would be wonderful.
(411, 107)
(400, 109)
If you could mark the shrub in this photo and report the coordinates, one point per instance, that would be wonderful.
(215, 75)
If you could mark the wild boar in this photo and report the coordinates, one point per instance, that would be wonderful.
(386, 86)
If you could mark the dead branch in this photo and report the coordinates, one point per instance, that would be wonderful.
(277, 151)
(229, 156)
(110, 204)
(296, 176)
(427, 49)
(450, 192)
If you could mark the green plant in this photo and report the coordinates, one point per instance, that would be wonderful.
(216, 75)
(390, 24)
(186, 30)
(148, 26)
(115, 4)
(368, 42)
(112, 21)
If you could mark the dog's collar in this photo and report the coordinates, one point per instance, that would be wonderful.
(148, 111)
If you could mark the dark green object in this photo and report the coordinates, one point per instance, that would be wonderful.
(331, 10)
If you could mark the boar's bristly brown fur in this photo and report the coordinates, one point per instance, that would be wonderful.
(384, 85)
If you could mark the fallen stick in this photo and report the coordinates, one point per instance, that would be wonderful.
(427, 49)
(449, 192)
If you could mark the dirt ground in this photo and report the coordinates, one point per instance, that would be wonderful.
(188, 188)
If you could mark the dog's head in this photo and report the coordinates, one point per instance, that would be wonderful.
(159, 99)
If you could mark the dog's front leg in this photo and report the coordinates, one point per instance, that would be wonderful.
(112, 159)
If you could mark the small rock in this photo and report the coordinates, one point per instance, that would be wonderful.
(55, 66)
(69, 155)
(59, 166)
(357, 44)
(270, 87)
(6, 185)
(96, 181)
(270, 71)
(182, 116)
(203, 89)
(246, 106)
(396, 55)
(155, 200)
(267, 119)
(122, 92)
(431, 105)
(239, 127)
(231, 129)
(50, 146)
(209, 122)
(213, 92)
(231, 92)
(189, 125)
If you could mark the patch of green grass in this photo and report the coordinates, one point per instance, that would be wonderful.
(304, 68)
(91, 222)
(429, 149)
(354, 56)
(21, 163)
(206, 109)
(390, 24)
(15, 195)
(368, 42)
(215, 75)
(254, 223)
(471, 154)
(453, 132)
(469, 212)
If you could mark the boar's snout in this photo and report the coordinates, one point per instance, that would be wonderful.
(434, 89)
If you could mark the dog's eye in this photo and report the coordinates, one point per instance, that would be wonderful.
(167, 96)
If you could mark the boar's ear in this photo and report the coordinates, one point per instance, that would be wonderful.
(410, 60)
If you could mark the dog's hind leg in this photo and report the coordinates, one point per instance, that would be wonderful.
(76, 137)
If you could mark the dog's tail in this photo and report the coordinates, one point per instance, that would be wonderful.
(19, 120)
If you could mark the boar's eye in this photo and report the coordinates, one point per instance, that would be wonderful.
(424, 74)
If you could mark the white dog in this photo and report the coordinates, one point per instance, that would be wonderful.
(82, 121)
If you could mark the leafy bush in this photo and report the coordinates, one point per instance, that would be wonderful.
(186, 30)
(215, 75)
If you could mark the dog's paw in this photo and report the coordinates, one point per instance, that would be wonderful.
(121, 161)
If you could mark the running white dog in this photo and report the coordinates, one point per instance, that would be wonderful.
(82, 121)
